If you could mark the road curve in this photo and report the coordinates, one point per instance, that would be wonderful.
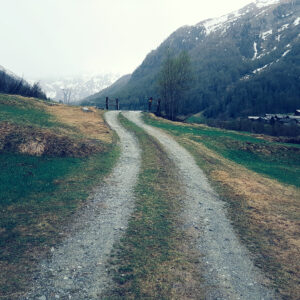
(229, 271)
(76, 269)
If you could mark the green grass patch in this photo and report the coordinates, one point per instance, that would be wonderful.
(150, 262)
(38, 196)
(276, 160)
(24, 111)
(257, 207)
(197, 118)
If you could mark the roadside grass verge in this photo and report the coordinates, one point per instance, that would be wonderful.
(39, 195)
(154, 259)
(276, 160)
(265, 212)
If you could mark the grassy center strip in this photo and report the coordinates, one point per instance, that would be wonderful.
(153, 260)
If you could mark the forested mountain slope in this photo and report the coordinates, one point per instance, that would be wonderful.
(246, 62)
(10, 83)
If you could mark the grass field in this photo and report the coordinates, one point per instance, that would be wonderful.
(259, 181)
(276, 160)
(40, 194)
(154, 259)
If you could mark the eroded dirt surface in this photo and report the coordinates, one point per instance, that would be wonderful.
(77, 268)
(229, 271)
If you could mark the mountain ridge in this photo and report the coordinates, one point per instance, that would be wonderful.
(245, 46)
(79, 87)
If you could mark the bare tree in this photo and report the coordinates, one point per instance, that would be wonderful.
(173, 81)
(67, 95)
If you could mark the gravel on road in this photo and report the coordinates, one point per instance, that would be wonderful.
(77, 268)
(228, 269)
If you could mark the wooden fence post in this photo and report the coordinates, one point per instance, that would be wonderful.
(106, 103)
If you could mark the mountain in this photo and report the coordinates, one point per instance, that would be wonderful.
(246, 62)
(78, 87)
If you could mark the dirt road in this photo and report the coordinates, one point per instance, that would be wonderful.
(228, 269)
(77, 268)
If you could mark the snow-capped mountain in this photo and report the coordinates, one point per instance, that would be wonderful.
(244, 62)
(77, 88)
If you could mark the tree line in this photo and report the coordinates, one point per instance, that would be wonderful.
(273, 91)
(18, 86)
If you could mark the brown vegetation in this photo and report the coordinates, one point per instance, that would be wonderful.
(38, 141)
(266, 215)
(89, 124)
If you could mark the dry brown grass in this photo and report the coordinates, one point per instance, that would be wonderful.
(90, 124)
(64, 131)
(40, 141)
(267, 213)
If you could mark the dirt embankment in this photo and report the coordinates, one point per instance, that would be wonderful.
(37, 141)
(73, 132)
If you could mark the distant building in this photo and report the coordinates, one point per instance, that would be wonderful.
(286, 119)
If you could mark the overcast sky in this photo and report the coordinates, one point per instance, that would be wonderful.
(57, 38)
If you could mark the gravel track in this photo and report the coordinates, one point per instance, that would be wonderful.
(76, 269)
(229, 271)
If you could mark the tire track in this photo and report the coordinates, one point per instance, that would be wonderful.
(77, 269)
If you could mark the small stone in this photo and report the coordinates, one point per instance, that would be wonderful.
(65, 278)
(42, 298)
(52, 249)
(79, 267)
(56, 297)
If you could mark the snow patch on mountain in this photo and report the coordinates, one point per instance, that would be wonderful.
(263, 3)
(286, 52)
(297, 21)
(255, 50)
(223, 22)
(261, 69)
(265, 34)
(283, 27)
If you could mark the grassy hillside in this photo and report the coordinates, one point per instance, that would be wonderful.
(51, 156)
(259, 181)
